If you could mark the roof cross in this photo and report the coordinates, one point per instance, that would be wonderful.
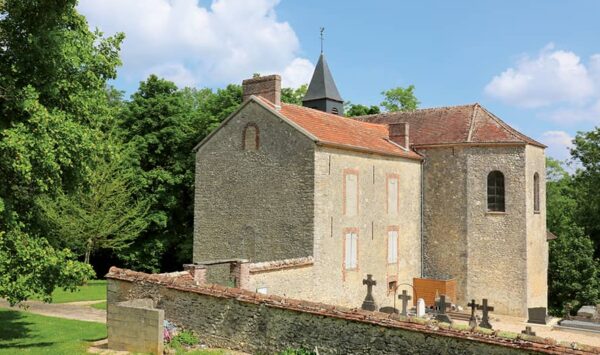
(322, 29)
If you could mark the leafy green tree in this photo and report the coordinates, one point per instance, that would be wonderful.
(400, 99)
(573, 273)
(53, 117)
(294, 96)
(102, 215)
(587, 180)
(352, 110)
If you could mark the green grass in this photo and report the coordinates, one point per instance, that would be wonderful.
(101, 305)
(28, 333)
(94, 290)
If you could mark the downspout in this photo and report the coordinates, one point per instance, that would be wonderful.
(423, 162)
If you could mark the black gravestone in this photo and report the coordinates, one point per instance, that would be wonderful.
(537, 315)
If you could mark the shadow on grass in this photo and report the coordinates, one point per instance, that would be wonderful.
(12, 327)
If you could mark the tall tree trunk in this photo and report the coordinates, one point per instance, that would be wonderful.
(88, 251)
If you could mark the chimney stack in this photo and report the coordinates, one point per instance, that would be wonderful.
(268, 87)
(398, 133)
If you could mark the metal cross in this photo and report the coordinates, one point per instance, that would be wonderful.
(369, 302)
(405, 298)
(441, 312)
(485, 320)
(473, 320)
(322, 30)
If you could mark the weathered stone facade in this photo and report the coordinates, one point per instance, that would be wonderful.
(501, 256)
(254, 204)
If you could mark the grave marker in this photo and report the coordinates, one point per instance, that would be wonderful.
(485, 320)
(405, 298)
(369, 302)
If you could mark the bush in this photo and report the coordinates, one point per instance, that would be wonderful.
(297, 352)
(184, 338)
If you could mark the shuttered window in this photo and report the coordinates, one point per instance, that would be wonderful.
(350, 194)
(351, 252)
(392, 195)
(392, 257)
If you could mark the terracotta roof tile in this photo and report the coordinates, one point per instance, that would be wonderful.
(456, 124)
(339, 131)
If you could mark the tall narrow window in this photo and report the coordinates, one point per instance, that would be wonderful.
(351, 250)
(392, 248)
(536, 192)
(495, 191)
(350, 192)
(392, 194)
(251, 137)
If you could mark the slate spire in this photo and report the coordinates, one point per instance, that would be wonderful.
(322, 94)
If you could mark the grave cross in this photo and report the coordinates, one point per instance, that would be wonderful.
(528, 331)
(405, 298)
(441, 312)
(485, 320)
(369, 302)
(473, 320)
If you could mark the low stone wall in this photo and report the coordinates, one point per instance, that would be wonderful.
(135, 326)
(238, 319)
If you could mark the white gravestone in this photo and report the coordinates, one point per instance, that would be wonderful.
(420, 308)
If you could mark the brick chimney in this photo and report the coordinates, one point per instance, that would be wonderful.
(398, 133)
(268, 87)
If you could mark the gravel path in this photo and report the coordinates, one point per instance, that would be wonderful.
(74, 310)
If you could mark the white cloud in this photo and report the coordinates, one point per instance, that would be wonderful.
(552, 77)
(558, 142)
(195, 45)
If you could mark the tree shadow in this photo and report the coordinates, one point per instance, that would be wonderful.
(12, 326)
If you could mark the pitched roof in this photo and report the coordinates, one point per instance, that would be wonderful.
(456, 124)
(341, 132)
(322, 85)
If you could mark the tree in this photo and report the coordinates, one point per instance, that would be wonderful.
(573, 273)
(294, 96)
(586, 150)
(353, 110)
(102, 215)
(400, 99)
(53, 117)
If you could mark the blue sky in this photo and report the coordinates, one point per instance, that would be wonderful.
(536, 64)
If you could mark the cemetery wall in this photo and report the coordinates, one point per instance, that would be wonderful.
(237, 214)
(537, 245)
(238, 319)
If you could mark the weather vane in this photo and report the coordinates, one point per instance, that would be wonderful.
(322, 30)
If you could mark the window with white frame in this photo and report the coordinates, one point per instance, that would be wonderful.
(392, 247)
(351, 250)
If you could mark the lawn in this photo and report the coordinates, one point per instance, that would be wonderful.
(23, 332)
(94, 290)
(101, 305)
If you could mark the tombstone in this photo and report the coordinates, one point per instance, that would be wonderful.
(586, 319)
(388, 310)
(369, 302)
(441, 315)
(528, 331)
(485, 320)
(537, 315)
(588, 312)
(405, 298)
(420, 308)
(472, 319)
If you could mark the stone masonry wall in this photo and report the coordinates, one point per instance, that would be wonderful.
(254, 204)
(331, 281)
(537, 245)
(260, 324)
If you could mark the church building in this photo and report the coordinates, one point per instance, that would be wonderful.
(311, 201)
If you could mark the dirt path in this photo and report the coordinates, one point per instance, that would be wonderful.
(74, 310)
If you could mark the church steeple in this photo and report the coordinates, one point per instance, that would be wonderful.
(322, 94)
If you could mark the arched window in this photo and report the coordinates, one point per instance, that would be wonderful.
(495, 191)
(250, 139)
(536, 192)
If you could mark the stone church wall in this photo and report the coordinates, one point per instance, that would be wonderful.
(254, 204)
(335, 285)
(537, 245)
(497, 250)
(262, 324)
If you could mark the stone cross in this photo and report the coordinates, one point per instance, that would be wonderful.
(369, 302)
(405, 298)
(441, 313)
(473, 320)
(528, 331)
(485, 320)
